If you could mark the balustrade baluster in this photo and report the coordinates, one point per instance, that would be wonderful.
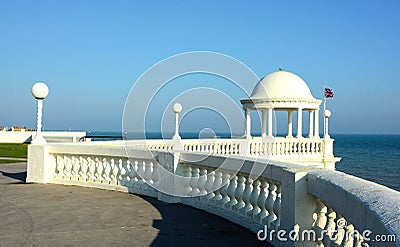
(60, 166)
(284, 148)
(307, 147)
(111, 176)
(84, 168)
(100, 169)
(246, 197)
(277, 207)
(231, 192)
(340, 231)
(124, 172)
(187, 173)
(224, 190)
(255, 192)
(77, 168)
(358, 239)
(107, 170)
(140, 172)
(216, 187)
(68, 167)
(148, 171)
(132, 173)
(269, 204)
(330, 226)
(92, 169)
(120, 170)
(155, 175)
(239, 193)
(349, 236)
(209, 186)
(320, 220)
(202, 181)
(312, 147)
(115, 170)
(257, 148)
(262, 200)
(194, 180)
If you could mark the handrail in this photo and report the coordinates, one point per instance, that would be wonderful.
(360, 204)
(101, 137)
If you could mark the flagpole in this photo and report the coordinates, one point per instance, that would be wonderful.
(323, 143)
(323, 113)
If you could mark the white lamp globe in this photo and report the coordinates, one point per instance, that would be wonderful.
(327, 113)
(177, 107)
(40, 90)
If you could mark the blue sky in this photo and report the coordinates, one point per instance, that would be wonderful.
(90, 53)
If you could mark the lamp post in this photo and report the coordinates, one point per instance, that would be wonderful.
(40, 92)
(327, 115)
(177, 108)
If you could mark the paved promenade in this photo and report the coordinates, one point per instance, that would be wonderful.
(56, 215)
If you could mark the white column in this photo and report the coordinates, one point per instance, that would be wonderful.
(290, 124)
(270, 122)
(38, 139)
(264, 123)
(311, 127)
(316, 124)
(248, 124)
(299, 122)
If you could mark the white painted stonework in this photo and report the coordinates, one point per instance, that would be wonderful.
(282, 197)
(296, 188)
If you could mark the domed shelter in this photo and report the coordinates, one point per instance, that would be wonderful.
(282, 91)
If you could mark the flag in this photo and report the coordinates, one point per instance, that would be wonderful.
(328, 93)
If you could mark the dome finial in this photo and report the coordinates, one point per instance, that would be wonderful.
(280, 69)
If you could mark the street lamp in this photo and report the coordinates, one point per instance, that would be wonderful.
(40, 92)
(177, 109)
(327, 115)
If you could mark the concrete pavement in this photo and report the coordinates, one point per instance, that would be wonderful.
(56, 215)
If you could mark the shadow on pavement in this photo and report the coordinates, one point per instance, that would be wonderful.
(21, 176)
(180, 226)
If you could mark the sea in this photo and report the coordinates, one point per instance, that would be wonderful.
(372, 157)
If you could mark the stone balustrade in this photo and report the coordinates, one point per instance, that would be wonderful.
(308, 151)
(283, 197)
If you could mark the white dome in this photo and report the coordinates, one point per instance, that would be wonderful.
(281, 85)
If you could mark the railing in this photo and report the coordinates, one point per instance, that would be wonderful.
(315, 152)
(99, 138)
(287, 147)
(213, 146)
(354, 209)
(277, 147)
(283, 197)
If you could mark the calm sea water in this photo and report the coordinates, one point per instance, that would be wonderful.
(372, 157)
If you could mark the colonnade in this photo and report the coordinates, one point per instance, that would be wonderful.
(266, 129)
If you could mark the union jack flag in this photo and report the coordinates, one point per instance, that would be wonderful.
(328, 93)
